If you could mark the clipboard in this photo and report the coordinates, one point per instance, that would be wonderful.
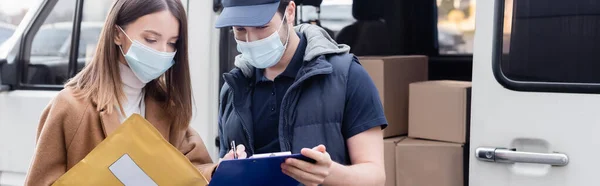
(255, 171)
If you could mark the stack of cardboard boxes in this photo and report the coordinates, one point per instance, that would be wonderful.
(439, 113)
(435, 116)
(391, 76)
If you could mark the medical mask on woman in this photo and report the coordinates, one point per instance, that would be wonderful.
(145, 62)
(263, 53)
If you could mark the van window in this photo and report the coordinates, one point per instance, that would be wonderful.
(48, 61)
(94, 15)
(456, 26)
(550, 45)
(50, 50)
(334, 15)
(5, 33)
(11, 14)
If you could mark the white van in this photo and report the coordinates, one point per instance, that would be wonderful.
(535, 83)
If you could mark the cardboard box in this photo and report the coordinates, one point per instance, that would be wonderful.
(392, 76)
(425, 163)
(440, 110)
(389, 154)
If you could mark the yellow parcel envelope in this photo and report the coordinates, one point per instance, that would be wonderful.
(134, 154)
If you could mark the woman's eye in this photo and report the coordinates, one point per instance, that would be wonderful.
(262, 27)
(150, 41)
(173, 44)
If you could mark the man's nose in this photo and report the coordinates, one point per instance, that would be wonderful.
(251, 37)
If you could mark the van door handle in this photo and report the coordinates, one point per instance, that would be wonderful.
(503, 155)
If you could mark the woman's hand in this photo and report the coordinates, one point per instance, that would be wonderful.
(307, 173)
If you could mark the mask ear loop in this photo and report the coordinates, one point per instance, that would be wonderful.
(124, 33)
(287, 40)
(121, 47)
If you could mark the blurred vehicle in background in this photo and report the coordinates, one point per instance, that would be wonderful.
(334, 15)
(450, 40)
(51, 47)
(6, 30)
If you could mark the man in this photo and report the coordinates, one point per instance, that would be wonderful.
(297, 90)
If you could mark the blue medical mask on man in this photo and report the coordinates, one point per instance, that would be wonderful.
(145, 62)
(266, 52)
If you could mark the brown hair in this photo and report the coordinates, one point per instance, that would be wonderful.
(101, 80)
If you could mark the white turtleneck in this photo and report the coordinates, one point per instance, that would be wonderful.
(133, 89)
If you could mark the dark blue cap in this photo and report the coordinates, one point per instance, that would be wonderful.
(250, 13)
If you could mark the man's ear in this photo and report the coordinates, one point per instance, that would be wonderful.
(118, 36)
(291, 13)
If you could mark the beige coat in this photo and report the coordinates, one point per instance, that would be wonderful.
(70, 128)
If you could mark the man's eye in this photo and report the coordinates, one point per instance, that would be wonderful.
(262, 27)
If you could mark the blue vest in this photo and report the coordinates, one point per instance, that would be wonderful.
(311, 112)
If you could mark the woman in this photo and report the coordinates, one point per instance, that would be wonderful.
(140, 66)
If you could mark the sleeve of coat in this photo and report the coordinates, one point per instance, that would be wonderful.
(195, 150)
(49, 159)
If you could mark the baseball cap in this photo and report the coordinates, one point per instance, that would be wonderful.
(251, 13)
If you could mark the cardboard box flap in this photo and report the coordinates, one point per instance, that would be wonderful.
(421, 143)
(394, 140)
(405, 57)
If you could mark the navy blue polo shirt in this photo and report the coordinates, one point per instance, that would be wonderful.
(266, 101)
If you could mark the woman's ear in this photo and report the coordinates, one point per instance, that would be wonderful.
(118, 36)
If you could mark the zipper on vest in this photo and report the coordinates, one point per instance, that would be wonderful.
(284, 113)
(250, 141)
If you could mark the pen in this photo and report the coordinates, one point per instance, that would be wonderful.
(233, 147)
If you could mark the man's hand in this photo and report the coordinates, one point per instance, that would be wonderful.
(307, 173)
(241, 153)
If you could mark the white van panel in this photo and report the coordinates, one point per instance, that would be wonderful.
(12, 179)
(19, 118)
(204, 70)
(529, 122)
